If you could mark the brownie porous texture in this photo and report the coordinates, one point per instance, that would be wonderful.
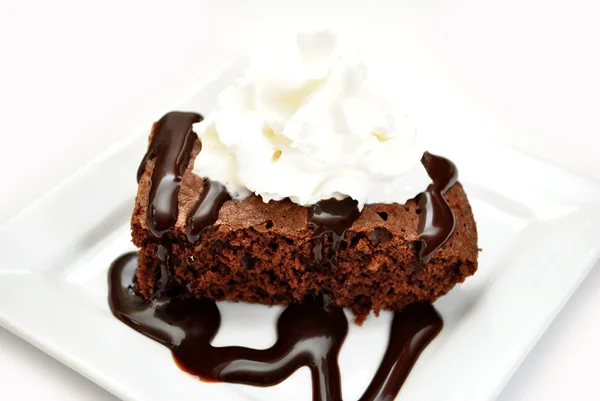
(263, 252)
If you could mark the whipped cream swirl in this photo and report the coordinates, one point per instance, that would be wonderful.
(309, 126)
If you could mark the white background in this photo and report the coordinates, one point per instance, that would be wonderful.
(75, 77)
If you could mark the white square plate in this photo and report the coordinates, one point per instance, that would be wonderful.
(537, 227)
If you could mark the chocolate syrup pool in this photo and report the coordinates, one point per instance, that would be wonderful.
(308, 334)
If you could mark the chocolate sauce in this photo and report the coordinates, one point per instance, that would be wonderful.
(171, 147)
(412, 330)
(165, 280)
(436, 219)
(206, 211)
(333, 217)
(308, 334)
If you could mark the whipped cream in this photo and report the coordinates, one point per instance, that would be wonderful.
(310, 126)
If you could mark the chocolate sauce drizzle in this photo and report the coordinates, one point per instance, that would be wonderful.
(309, 334)
(333, 217)
(206, 211)
(436, 221)
(412, 330)
(171, 145)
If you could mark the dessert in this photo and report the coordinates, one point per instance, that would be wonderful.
(303, 188)
(271, 148)
(267, 252)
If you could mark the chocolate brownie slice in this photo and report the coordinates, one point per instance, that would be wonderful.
(266, 252)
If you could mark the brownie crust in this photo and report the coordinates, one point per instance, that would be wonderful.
(262, 252)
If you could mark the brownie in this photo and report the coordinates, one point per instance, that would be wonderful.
(263, 252)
